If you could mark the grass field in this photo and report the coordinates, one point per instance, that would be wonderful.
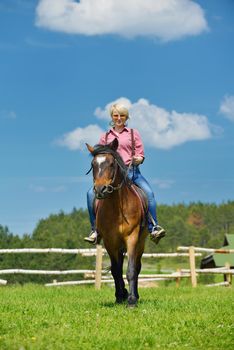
(36, 317)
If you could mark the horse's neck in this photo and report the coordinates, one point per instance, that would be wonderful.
(125, 194)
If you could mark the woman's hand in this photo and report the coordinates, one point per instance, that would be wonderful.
(137, 160)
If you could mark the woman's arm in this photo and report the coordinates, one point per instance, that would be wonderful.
(139, 149)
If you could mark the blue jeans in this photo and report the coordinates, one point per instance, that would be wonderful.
(134, 174)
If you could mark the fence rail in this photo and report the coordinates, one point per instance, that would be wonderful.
(48, 250)
(44, 272)
(142, 278)
(210, 271)
(84, 252)
(207, 250)
(99, 275)
(226, 284)
(3, 282)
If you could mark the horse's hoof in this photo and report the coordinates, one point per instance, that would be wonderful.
(119, 301)
(132, 302)
(122, 297)
(131, 306)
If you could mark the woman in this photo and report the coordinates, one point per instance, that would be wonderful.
(119, 130)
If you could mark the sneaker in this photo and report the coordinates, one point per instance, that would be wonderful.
(157, 233)
(92, 238)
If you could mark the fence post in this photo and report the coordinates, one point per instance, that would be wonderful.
(178, 278)
(228, 275)
(98, 274)
(192, 266)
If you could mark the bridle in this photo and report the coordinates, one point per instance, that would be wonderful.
(111, 188)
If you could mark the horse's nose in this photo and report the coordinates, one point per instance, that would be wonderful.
(100, 190)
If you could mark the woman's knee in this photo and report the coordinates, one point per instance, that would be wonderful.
(145, 187)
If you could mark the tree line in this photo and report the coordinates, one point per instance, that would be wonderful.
(198, 224)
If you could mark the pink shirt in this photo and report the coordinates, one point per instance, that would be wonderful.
(125, 143)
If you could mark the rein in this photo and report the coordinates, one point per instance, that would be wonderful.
(110, 188)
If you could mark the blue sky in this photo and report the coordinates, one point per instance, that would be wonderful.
(61, 65)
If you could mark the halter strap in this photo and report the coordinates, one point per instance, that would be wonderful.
(110, 188)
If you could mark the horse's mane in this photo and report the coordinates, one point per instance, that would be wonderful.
(106, 149)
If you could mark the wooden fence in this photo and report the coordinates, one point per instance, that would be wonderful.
(226, 270)
(99, 276)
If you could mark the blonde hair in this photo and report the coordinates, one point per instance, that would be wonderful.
(121, 109)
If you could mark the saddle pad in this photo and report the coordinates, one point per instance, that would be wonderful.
(142, 197)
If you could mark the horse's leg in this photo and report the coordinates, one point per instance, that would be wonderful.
(132, 281)
(138, 270)
(135, 251)
(121, 292)
(132, 273)
(132, 276)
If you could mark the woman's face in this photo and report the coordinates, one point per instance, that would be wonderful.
(118, 119)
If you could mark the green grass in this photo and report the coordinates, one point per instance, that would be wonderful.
(36, 317)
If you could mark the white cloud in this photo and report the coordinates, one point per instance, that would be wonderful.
(163, 19)
(227, 107)
(160, 128)
(77, 138)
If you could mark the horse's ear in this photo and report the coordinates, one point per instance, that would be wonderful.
(90, 148)
(114, 144)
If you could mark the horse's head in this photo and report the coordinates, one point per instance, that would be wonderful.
(105, 164)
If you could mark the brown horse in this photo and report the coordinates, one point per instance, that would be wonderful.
(119, 218)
